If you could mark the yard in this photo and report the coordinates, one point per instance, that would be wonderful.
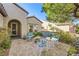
(65, 40)
(20, 47)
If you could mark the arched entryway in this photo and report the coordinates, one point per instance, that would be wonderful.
(15, 28)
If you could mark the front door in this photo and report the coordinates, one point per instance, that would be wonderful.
(14, 29)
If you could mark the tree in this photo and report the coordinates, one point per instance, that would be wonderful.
(76, 13)
(58, 12)
(77, 28)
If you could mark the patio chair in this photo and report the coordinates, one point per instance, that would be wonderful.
(29, 35)
(42, 42)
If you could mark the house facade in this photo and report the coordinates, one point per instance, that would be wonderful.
(16, 19)
(54, 27)
(34, 24)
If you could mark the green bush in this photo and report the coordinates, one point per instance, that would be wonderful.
(5, 40)
(6, 43)
(37, 34)
(2, 51)
(72, 51)
(66, 37)
(77, 28)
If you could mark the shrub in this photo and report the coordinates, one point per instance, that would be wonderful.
(77, 31)
(1, 51)
(72, 51)
(6, 43)
(77, 28)
(37, 34)
(4, 40)
(2, 36)
(66, 37)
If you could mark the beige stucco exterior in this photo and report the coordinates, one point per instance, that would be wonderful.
(16, 13)
(34, 21)
(59, 26)
(64, 27)
(1, 21)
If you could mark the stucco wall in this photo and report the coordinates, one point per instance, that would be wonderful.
(46, 26)
(64, 28)
(17, 14)
(32, 20)
(1, 21)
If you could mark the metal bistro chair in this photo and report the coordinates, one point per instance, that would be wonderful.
(42, 43)
(55, 40)
(29, 35)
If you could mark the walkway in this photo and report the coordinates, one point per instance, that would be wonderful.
(21, 47)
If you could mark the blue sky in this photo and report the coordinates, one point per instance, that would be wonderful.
(76, 21)
(34, 9)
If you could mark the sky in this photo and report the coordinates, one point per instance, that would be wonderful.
(76, 21)
(34, 9)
